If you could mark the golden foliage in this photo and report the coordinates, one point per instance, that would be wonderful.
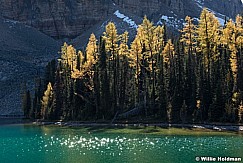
(239, 27)
(88, 61)
(111, 37)
(189, 36)
(135, 53)
(240, 111)
(69, 57)
(208, 30)
(46, 100)
(168, 52)
(123, 48)
(233, 39)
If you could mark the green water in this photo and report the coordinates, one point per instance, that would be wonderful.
(33, 144)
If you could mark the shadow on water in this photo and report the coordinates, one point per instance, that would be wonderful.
(98, 129)
(8, 121)
(29, 143)
(124, 129)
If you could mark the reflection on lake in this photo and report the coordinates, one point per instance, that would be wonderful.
(49, 144)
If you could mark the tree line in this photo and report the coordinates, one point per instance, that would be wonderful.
(197, 77)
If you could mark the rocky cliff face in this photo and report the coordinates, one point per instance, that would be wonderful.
(57, 18)
(150, 7)
(24, 52)
(69, 18)
(227, 7)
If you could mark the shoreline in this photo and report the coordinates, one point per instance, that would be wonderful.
(205, 127)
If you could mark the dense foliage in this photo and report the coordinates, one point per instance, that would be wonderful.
(197, 78)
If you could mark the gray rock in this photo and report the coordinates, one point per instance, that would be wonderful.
(24, 51)
(68, 19)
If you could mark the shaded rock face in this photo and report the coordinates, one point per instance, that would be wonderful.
(227, 7)
(70, 18)
(150, 7)
(24, 52)
(181, 7)
(56, 18)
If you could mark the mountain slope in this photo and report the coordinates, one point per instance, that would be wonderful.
(127, 15)
(24, 51)
(69, 19)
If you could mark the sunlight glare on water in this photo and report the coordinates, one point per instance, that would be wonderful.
(43, 144)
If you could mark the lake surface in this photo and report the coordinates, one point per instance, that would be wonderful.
(33, 144)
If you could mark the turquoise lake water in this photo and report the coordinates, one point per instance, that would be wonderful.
(33, 144)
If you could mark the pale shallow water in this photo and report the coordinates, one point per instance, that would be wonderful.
(27, 144)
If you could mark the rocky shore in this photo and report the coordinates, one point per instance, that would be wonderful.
(213, 127)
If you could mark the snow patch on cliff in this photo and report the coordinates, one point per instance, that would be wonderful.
(171, 21)
(221, 21)
(126, 19)
(219, 16)
(200, 3)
